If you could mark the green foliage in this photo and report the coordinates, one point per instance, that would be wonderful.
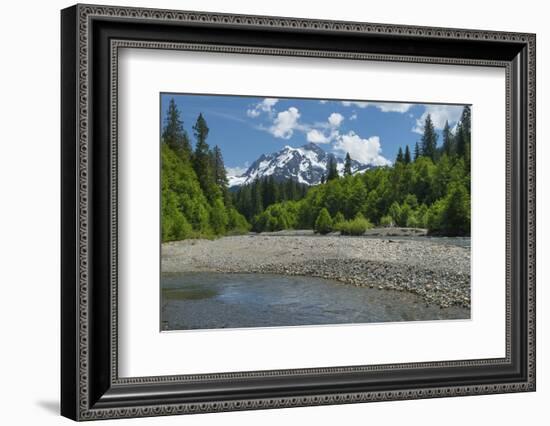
(182, 200)
(174, 224)
(451, 215)
(386, 221)
(432, 191)
(277, 217)
(237, 223)
(424, 193)
(195, 202)
(323, 224)
(423, 171)
(411, 201)
(218, 217)
(395, 213)
(251, 200)
(356, 226)
(338, 218)
(413, 221)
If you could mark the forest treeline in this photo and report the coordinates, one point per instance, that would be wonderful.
(427, 188)
(195, 200)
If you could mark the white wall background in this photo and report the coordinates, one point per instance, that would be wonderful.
(29, 211)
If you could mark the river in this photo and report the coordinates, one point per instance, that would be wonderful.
(205, 300)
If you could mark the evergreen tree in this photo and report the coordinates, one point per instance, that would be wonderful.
(399, 158)
(407, 156)
(347, 165)
(202, 159)
(173, 133)
(220, 174)
(460, 140)
(463, 134)
(269, 191)
(429, 139)
(417, 152)
(256, 197)
(332, 170)
(257, 204)
(323, 178)
(447, 139)
(466, 120)
(243, 201)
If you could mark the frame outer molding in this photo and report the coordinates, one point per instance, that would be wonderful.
(76, 208)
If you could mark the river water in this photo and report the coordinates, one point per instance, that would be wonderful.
(205, 300)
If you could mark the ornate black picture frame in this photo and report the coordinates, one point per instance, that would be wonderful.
(91, 36)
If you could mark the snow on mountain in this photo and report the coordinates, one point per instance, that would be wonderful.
(306, 164)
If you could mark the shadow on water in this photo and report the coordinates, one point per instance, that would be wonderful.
(194, 293)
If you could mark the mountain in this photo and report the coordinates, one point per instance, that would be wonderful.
(306, 164)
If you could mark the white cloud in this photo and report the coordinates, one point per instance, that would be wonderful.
(355, 103)
(264, 106)
(237, 171)
(252, 113)
(285, 123)
(366, 151)
(323, 102)
(335, 119)
(316, 136)
(323, 132)
(439, 114)
(393, 107)
(353, 116)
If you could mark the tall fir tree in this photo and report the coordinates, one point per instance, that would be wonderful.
(399, 158)
(202, 159)
(270, 192)
(466, 120)
(173, 133)
(447, 139)
(257, 205)
(243, 201)
(460, 140)
(417, 152)
(407, 156)
(220, 174)
(429, 139)
(347, 165)
(463, 134)
(332, 172)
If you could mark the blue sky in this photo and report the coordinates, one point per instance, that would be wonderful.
(246, 127)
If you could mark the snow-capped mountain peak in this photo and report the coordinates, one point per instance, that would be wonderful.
(306, 164)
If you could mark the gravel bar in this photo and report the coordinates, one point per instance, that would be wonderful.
(430, 268)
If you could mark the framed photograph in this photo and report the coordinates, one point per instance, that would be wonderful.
(263, 212)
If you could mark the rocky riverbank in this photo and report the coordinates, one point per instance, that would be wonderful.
(431, 268)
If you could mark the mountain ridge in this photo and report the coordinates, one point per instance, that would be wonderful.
(306, 164)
